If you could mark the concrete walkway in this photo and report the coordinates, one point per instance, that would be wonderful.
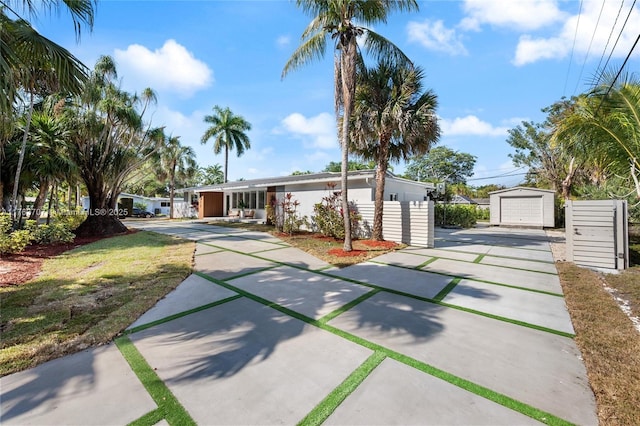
(474, 331)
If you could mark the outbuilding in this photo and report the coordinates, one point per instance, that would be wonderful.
(521, 206)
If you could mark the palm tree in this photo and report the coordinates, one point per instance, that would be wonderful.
(109, 142)
(175, 161)
(35, 64)
(605, 124)
(337, 20)
(228, 130)
(393, 119)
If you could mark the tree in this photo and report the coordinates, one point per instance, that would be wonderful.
(228, 130)
(210, 175)
(109, 141)
(26, 56)
(337, 20)
(604, 124)
(32, 64)
(298, 173)
(335, 167)
(442, 164)
(393, 119)
(175, 161)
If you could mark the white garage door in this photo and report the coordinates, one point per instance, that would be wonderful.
(521, 210)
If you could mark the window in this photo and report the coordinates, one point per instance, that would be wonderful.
(250, 199)
(393, 197)
(165, 204)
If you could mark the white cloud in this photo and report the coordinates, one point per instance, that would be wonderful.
(283, 41)
(522, 14)
(316, 132)
(470, 125)
(171, 68)
(435, 36)
(532, 49)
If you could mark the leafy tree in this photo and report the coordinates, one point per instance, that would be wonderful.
(175, 161)
(210, 175)
(442, 164)
(335, 167)
(604, 124)
(228, 130)
(298, 173)
(33, 65)
(336, 20)
(109, 141)
(393, 119)
(27, 59)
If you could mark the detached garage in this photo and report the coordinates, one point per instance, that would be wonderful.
(522, 206)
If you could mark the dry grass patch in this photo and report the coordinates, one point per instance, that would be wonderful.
(609, 343)
(87, 296)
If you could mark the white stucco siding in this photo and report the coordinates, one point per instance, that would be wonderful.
(308, 196)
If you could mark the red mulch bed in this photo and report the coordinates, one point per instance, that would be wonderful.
(379, 244)
(341, 253)
(21, 267)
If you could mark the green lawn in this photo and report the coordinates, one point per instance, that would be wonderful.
(87, 296)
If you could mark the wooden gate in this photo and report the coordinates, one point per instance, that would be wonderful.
(597, 234)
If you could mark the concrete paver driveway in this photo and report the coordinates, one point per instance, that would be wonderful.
(474, 331)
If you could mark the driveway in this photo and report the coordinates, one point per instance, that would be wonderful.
(474, 331)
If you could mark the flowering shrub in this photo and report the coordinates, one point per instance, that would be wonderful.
(284, 214)
(328, 217)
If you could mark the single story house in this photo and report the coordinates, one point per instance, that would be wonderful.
(521, 206)
(224, 199)
(155, 205)
(461, 199)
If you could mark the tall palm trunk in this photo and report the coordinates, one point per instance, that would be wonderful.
(348, 83)
(226, 162)
(172, 188)
(381, 176)
(23, 148)
(40, 199)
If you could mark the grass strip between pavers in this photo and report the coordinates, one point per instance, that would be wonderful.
(489, 394)
(480, 280)
(149, 419)
(447, 289)
(345, 308)
(168, 405)
(479, 258)
(425, 263)
(328, 405)
(180, 315)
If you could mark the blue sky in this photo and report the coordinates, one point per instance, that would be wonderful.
(492, 64)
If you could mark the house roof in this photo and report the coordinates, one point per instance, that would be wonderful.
(324, 177)
(461, 199)
(519, 188)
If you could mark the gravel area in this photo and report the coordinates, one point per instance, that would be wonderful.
(557, 243)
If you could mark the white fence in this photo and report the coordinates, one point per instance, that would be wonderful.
(408, 222)
(597, 234)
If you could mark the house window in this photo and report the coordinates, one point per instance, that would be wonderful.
(165, 204)
(393, 196)
(250, 199)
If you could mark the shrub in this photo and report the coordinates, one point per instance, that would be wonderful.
(12, 241)
(57, 232)
(328, 218)
(455, 215)
(284, 215)
(71, 218)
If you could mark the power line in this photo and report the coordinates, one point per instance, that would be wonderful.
(617, 75)
(608, 40)
(575, 36)
(615, 44)
(589, 49)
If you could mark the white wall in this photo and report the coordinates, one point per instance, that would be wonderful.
(408, 222)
